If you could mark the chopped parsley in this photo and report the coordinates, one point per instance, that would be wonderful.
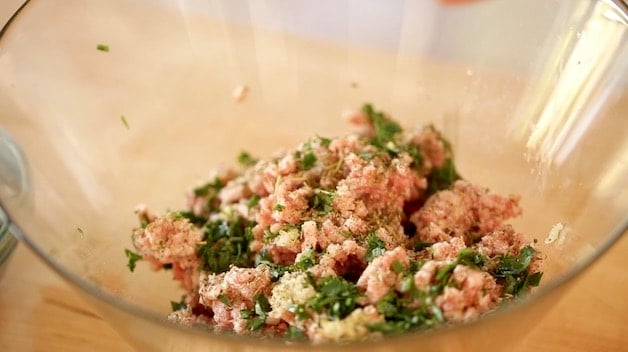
(308, 160)
(269, 236)
(321, 201)
(415, 154)
(400, 316)
(421, 245)
(442, 178)
(367, 155)
(191, 216)
(397, 267)
(306, 260)
(245, 159)
(513, 271)
(124, 121)
(256, 317)
(466, 257)
(375, 247)
(210, 191)
(294, 334)
(204, 190)
(335, 296)
(385, 128)
(225, 300)
(253, 201)
(276, 270)
(133, 258)
(409, 308)
(325, 142)
(471, 258)
(300, 311)
(226, 243)
(385, 131)
(102, 47)
(279, 207)
(178, 305)
(511, 265)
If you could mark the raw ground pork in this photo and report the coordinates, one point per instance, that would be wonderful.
(341, 239)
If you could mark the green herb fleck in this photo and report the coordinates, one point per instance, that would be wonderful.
(253, 201)
(385, 128)
(407, 284)
(375, 247)
(80, 231)
(306, 260)
(442, 178)
(245, 159)
(124, 121)
(322, 201)
(300, 312)
(335, 295)
(102, 47)
(401, 315)
(178, 305)
(204, 190)
(269, 236)
(422, 245)
(279, 207)
(210, 192)
(325, 142)
(308, 161)
(191, 216)
(511, 265)
(513, 271)
(133, 258)
(471, 258)
(225, 300)
(366, 155)
(261, 305)
(226, 243)
(466, 257)
(415, 154)
(294, 334)
(257, 316)
(276, 270)
(397, 267)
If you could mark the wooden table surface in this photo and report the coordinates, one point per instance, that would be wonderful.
(40, 312)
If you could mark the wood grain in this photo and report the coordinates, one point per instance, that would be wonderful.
(40, 312)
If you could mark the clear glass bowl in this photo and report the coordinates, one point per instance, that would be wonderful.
(531, 93)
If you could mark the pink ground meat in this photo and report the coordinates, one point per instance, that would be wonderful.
(432, 146)
(173, 241)
(238, 286)
(476, 293)
(353, 209)
(379, 276)
(466, 211)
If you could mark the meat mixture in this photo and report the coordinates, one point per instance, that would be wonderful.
(338, 239)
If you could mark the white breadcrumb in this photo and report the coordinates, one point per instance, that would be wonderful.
(239, 93)
(352, 327)
(291, 290)
(555, 233)
(287, 237)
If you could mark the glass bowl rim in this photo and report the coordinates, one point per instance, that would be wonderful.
(115, 302)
